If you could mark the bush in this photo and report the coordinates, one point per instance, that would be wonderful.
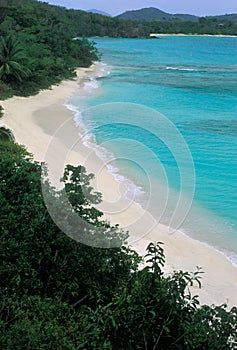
(6, 134)
(57, 293)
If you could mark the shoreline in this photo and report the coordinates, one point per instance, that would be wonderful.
(46, 127)
(152, 35)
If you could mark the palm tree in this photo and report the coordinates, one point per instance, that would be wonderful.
(10, 56)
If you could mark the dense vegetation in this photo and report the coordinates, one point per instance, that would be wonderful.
(204, 26)
(60, 294)
(36, 47)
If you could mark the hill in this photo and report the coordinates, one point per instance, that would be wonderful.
(98, 12)
(228, 17)
(152, 13)
(146, 14)
(185, 17)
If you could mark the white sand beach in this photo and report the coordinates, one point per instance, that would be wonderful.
(34, 121)
(181, 34)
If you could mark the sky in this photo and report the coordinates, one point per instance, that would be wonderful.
(195, 7)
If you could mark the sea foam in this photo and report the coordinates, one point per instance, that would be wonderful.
(182, 69)
(88, 86)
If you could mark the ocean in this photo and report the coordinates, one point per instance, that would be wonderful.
(163, 113)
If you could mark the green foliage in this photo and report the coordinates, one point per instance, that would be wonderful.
(6, 134)
(10, 56)
(60, 294)
(5, 91)
(35, 323)
(156, 258)
(80, 193)
(42, 266)
(37, 49)
(1, 111)
(151, 311)
(211, 328)
(203, 26)
(46, 259)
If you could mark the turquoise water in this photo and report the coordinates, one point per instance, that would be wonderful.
(185, 135)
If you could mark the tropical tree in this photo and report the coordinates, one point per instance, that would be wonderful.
(11, 55)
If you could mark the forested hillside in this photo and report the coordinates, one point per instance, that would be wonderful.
(152, 13)
(36, 47)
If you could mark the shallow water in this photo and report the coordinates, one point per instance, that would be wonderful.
(184, 136)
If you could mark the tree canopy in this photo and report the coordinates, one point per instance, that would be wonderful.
(10, 57)
(37, 47)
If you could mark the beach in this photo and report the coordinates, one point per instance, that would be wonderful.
(46, 127)
(201, 35)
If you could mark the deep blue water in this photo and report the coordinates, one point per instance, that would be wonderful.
(189, 137)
